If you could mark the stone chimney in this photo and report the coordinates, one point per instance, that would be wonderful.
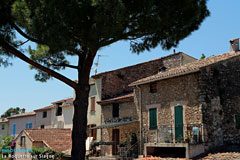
(234, 45)
(23, 110)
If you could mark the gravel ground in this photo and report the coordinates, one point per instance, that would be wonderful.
(223, 156)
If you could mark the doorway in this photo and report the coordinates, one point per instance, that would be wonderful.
(115, 138)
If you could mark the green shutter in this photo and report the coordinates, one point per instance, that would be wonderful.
(153, 118)
(178, 123)
(237, 119)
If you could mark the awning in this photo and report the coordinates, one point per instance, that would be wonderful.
(112, 125)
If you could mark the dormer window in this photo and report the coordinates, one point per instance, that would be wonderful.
(162, 69)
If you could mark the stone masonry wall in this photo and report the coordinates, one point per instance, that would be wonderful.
(124, 76)
(126, 109)
(182, 91)
(220, 96)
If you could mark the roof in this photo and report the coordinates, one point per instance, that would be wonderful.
(63, 100)
(44, 108)
(117, 98)
(22, 115)
(170, 55)
(3, 120)
(55, 138)
(186, 69)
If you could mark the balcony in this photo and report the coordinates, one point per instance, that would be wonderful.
(187, 133)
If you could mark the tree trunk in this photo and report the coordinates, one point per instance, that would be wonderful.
(81, 106)
(80, 123)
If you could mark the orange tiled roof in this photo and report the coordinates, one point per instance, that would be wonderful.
(22, 115)
(55, 138)
(44, 108)
(186, 69)
(63, 100)
(117, 98)
(170, 55)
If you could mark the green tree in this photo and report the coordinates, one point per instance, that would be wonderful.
(80, 28)
(6, 143)
(203, 56)
(10, 110)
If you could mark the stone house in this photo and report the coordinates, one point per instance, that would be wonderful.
(119, 114)
(19, 122)
(3, 127)
(57, 139)
(192, 108)
(43, 117)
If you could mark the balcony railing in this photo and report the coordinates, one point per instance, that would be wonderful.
(187, 133)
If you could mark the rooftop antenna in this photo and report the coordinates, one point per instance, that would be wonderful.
(97, 63)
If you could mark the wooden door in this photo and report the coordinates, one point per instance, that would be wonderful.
(178, 111)
(115, 138)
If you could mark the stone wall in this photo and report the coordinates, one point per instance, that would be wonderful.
(124, 76)
(126, 109)
(220, 97)
(183, 90)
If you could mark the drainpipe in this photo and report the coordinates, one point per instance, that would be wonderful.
(140, 119)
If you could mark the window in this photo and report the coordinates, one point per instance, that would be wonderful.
(23, 141)
(14, 129)
(153, 87)
(92, 132)
(59, 111)
(3, 126)
(44, 114)
(42, 126)
(237, 121)
(115, 110)
(92, 104)
(26, 126)
(153, 118)
(30, 125)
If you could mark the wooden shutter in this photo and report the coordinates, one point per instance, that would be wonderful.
(94, 132)
(92, 104)
(153, 118)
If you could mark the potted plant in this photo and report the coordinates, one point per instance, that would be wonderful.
(188, 137)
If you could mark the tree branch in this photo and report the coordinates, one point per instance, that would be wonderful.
(65, 65)
(24, 34)
(23, 43)
(54, 74)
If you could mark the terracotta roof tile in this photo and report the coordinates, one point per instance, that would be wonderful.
(117, 98)
(44, 108)
(187, 68)
(63, 100)
(57, 139)
(170, 55)
(22, 115)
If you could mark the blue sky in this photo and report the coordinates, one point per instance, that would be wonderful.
(19, 89)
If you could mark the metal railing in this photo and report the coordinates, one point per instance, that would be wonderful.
(187, 133)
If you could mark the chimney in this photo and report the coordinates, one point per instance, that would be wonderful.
(2, 116)
(13, 113)
(234, 45)
(23, 110)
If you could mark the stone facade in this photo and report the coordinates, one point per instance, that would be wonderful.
(220, 97)
(170, 93)
(127, 109)
(210, 100)
(122, 78)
